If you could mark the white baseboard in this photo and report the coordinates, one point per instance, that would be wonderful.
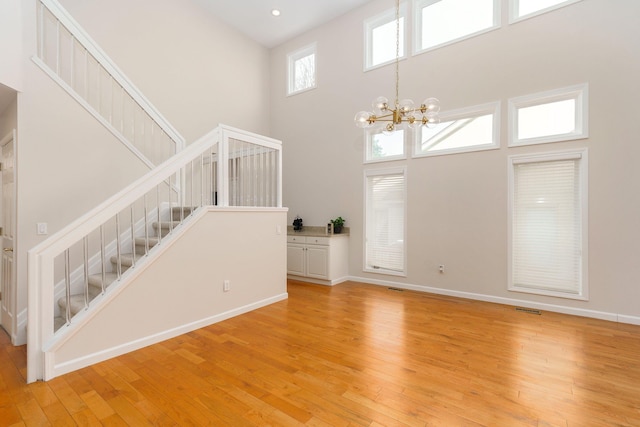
(90, 359)
(318, 281)
(602, 315)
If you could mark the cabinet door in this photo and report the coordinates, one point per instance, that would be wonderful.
(318, 262)
(295, 259)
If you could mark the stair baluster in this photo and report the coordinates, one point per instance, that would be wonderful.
(85, 253)
(133, 237)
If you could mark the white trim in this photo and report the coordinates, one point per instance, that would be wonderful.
(514, 10)
(376, 21)
(556, 308)
(418, 5)
(492, 108)
(311, 49)
(581, 154)
(579, 93)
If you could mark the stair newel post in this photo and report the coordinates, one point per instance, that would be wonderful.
(67, 286)
(102, 257)
(118, 248)
(146, 225)
(85, 253)
(133, 236)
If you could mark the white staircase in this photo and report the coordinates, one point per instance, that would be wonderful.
(84, 267)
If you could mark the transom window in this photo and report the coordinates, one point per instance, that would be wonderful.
(441, 22)
(523, 9)
(383, 146)
(301, 70)
(469, 129)
(557, 115)
(380, 38)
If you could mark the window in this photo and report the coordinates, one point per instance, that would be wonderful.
(385, 146)
(558, 115)
(548, 224)
(385, 206)
(302, 70)
(469, 129)
(523, 9)
(440, 22)
(380, 38)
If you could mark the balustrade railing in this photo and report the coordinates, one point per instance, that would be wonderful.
(75, 61)
(70, 271)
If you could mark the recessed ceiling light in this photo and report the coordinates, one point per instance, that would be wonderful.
(275, 12)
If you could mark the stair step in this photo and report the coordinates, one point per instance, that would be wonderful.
(95, 280)
(175, 212)
(141, 245)
(77, 304)
(165, 227)
(126, 260)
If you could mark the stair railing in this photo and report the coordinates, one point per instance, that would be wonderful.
(72, 59)
(226, 167)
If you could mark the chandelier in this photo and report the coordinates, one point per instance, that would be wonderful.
(403, 111)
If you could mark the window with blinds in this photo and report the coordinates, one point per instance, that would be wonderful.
(385, 242)
(548, 224)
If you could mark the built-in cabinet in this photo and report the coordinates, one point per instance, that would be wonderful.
(318, 259)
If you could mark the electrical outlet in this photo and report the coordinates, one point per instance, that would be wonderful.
(441, 268)
(226, 285)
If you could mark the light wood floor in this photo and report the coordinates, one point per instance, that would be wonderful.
(352, 355)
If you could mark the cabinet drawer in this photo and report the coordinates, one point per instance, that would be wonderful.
(295, 239)
(318, 240)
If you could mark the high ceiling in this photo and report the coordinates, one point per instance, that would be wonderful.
(253, 17)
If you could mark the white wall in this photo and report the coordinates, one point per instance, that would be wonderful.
(194, 68)
(186, 286)
(10, 43)
(457, 209)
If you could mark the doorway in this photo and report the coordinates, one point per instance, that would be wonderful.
(7, 229)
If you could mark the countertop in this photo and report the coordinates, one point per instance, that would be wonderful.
(315, 231)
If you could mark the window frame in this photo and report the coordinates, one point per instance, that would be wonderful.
(379, 20)
(514, 9)
(294, 56)
(400, 170)
(463, 113)
(579, 93)
(582, 156)
(369, 135)
(419, 5)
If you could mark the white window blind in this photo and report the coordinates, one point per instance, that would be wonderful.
(385, 221)
(547, 225)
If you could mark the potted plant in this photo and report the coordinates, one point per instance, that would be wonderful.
(338, 223)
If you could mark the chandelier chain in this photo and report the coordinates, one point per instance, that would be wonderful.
(397, 52)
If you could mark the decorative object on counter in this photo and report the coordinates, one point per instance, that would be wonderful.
(401, 111)
(297, 224)
(337, 224)
(329, 228)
